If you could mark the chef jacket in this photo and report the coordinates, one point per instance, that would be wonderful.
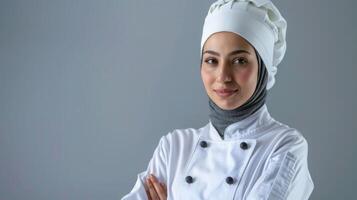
(258, 159)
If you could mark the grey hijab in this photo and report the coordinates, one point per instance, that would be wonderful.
(221, 118)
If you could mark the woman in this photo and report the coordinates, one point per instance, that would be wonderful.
(242, 153)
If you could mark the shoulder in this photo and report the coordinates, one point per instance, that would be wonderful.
(289, 139)
(286, 132)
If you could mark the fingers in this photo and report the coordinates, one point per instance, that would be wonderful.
(155, 190)
(165, 188)
(151, 190)
(147, 189)
(159, 187)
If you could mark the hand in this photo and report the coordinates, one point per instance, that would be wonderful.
(154, 189)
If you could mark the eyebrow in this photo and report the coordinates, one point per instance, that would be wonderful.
(231, 53)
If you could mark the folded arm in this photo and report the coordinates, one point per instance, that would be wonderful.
(157, 166)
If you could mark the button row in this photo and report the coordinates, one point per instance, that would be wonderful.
(243, 145)
(229, 180)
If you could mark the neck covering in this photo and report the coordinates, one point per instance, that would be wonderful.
(221, 118)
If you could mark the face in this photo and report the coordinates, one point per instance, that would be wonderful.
(229, 69)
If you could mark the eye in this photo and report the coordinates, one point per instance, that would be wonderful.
(211, 61)
(241, 61)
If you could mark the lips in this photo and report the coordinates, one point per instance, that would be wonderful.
(225, 92)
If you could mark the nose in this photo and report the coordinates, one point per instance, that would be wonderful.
(224, 73)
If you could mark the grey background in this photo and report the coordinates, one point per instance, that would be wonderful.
(88, 88)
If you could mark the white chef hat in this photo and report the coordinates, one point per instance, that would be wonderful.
(257, 21)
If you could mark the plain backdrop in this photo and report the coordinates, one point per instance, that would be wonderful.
(88, 87)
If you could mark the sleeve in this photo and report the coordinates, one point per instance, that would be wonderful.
(286, 176)
(157, 165)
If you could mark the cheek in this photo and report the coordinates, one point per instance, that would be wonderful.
(207, 78)
(246, 76)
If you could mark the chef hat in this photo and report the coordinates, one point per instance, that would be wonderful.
(257, 21)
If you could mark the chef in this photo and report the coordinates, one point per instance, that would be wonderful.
(242, 152)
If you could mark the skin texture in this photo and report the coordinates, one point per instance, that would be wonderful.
(238, 71)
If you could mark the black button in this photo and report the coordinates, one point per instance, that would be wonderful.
(244, 145)
(189, 179)
(203, 144)
(229, 180)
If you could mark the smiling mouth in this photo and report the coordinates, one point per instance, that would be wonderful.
(225, 93)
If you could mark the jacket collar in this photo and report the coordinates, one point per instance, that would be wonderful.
(240, 129)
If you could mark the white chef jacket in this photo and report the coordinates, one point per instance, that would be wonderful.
(258, 159)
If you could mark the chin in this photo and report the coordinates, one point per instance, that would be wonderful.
(228, 106)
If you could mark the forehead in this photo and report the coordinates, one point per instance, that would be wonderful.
(226, 40)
